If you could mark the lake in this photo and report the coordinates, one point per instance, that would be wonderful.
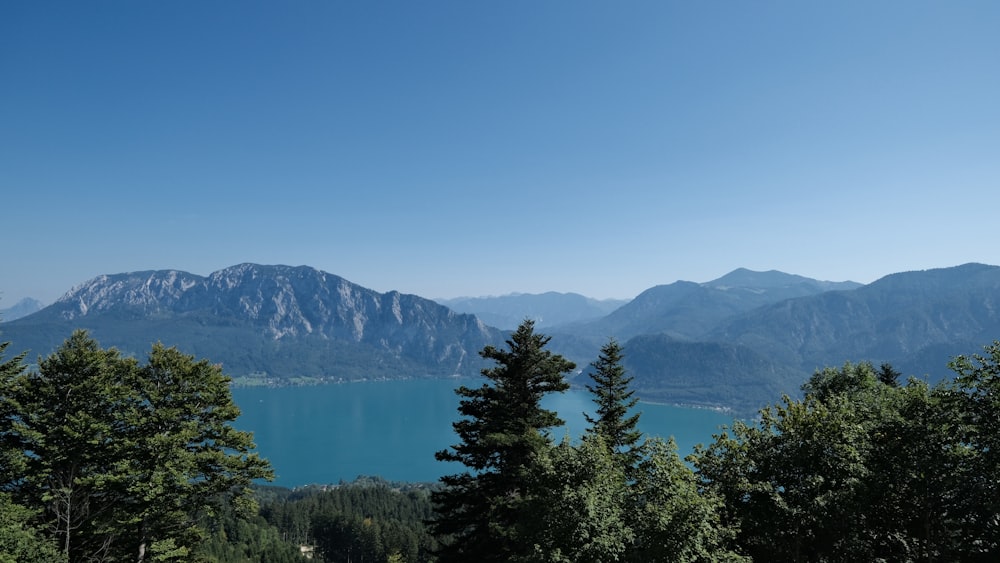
(328, 433)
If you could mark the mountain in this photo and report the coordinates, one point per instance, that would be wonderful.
(688, 310)
(276, 320)
(22, 308)
(739, 341)
(746, 338)
(915, 320)
(709, 374)
(546, 309)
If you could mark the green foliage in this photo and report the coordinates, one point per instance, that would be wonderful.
(232, 538)
(503, 430)
(369, 519)
(121, 458)
(606, 499)
(865, 469)
(673, 521)
(11, 455)
(976, 395)
(20, 540)
(580, 510)
(614, 399)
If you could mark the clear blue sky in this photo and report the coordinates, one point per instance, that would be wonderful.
(481, 148)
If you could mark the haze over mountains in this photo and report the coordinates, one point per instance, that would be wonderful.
(546, 309)
(736, 342)
(22, 308)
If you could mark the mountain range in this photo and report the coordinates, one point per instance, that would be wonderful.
(276, 322)
(737, 342)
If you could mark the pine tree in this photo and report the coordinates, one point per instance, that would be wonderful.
(614, 400)
(480, 511)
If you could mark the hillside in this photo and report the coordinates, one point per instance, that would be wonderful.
(743, 340)
(276, 320)
(688, 310)
(916, 320)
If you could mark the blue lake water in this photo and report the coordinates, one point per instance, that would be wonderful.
(327, 433)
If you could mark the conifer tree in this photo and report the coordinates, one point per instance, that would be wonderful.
(481, 512)
(20, 540)
(119, 458)
(182, 454)
(63, 422)
(614, 400)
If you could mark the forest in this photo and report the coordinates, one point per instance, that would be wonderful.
(106, 458)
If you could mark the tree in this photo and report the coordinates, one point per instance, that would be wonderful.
(976, 395)
(20, 541)
(792, 482)
(182, 453)
(614, 400)
(62, 423)
(480, 512)
(122, 457)
(11, 455)
(673, 521)
(863, 469)
(579, 513)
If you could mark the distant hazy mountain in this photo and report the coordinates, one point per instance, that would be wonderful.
(22, 308)
(280, 320)
(917, 320)
(744, 339)
(546, 309)
(687, 310)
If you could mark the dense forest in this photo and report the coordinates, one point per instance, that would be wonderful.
(104, 458)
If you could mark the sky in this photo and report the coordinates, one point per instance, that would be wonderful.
(457, 148)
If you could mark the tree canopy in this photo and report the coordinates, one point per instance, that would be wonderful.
(121, 458)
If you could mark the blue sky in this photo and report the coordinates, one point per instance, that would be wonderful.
(480, 148)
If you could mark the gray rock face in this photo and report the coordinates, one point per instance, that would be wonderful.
(270, 308)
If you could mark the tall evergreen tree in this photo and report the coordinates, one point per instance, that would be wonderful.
(614, 400)
(480, 512)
